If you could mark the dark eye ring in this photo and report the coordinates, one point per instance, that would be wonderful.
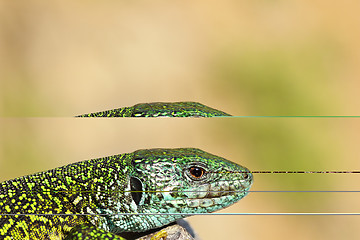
(196, 172)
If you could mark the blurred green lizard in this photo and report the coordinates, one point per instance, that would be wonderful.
(161, 109)
(92, 199)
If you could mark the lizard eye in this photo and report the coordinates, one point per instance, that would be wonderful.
(196, 172)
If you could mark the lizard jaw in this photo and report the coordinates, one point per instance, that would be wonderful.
(218, 189)
(209, 197)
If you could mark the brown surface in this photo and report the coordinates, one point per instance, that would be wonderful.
(174, 232)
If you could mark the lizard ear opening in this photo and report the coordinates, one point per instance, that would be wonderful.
(136, 190)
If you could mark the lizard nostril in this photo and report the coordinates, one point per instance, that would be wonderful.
(246, 176)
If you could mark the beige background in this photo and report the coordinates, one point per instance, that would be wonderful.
(35, 144)
(62, 58)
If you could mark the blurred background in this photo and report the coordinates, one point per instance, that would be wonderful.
(272, 58)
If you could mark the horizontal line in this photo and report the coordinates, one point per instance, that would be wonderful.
(311, 191)
(312, 116)
(289, 172)
(262, 191)
(304, 172)
(175, 214)
(265, 116)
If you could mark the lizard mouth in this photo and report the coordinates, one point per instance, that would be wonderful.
(222, 193)
(219, 189)
(224, 200)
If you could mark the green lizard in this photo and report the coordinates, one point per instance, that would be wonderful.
(91, 199)
(161, 109)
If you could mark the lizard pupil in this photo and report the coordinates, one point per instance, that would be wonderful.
(196, 172)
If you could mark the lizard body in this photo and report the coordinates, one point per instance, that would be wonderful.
(85, 200)
(161, 109)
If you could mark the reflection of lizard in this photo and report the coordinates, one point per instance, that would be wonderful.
(132, 192)
(161, 109)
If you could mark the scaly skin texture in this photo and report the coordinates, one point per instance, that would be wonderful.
(160, 109)
(91, 194)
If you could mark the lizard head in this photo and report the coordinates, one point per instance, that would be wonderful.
(182, 182)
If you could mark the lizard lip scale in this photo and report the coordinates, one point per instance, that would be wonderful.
(219, 189)
(211, 195)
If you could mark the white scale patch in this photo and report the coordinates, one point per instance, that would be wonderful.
(77, 200)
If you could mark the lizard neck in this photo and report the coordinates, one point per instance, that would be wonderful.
(99, 186)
